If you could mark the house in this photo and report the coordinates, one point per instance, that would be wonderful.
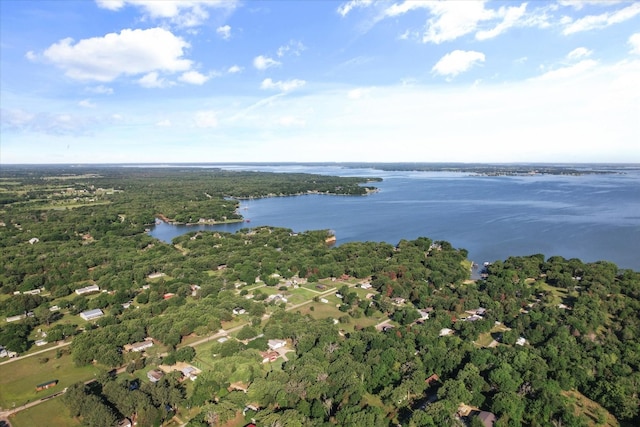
(155, 375)
(40, 343)
(46, 385)
(155, 275)
(521, 341)
(138, 346)
(87, 289)
(445, 331)
(33, 292)
(398, 300)
(276, 344)
(33, 240)
(432, 378)
(168, 295)
(16, 318)
(269, 356)
(190, 372)
(366, 285)
(486, 418)
(125, 422)
(424, 314)
(239, 310)
(91, 314)
(324, 300)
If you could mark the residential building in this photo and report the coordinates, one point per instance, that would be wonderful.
(91, 314)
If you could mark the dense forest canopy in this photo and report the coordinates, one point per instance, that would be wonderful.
(376, 334)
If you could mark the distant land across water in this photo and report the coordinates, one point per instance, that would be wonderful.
(590, 212)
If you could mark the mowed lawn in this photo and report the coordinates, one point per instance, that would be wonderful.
(18, 379)
(51, 413)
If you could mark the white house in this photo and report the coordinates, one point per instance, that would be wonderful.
(276, 344)
(91, 314)
(87, 289)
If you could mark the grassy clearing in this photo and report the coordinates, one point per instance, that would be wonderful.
(598, 416)
(19, 379)
(52, 413)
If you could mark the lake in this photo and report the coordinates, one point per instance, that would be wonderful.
(590, 217)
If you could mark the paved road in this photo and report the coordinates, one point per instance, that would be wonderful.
(35, 353)
(4, 415)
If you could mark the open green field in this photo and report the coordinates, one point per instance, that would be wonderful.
(51, 413)
(18, 379)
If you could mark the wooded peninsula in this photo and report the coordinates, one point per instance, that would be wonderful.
(104, 325)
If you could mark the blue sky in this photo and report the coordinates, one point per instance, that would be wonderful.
(228, 81)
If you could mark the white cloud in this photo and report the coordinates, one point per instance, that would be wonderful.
(293, 48)
(578, 53)
(347, 7)
(570, 71)
(184, 13)
(288, 121)
(263, 62)
(456, 62)
(86, 103)
(284, 86)
(206, 119)
(224, 32)
(511, 17)
(153, 80)
(592, 22)
(358, 93)
(194, 78)
(164, 123)
(234, 69)
(130, 52)
(579, 4)
(100, 90)
(634, 42)
(450, 20)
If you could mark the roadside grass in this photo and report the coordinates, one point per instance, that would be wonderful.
(52, 413)
(18, 379)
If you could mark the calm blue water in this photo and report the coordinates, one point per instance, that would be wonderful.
(591, 217)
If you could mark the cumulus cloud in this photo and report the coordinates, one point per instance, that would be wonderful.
(224, 32)
(234, 69)
(194, 78)
(511, 16)
(293, 48)
(86, 103)
(263, 62)
(100, 90)
(456, 62)
(130, 52)
(284, 86)
(206, 119)
(593, 22)
(634, 42)
(184, 13)
(153, 80)
(450, 20)
(569, 71)
(344, 9)
(578, 53)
